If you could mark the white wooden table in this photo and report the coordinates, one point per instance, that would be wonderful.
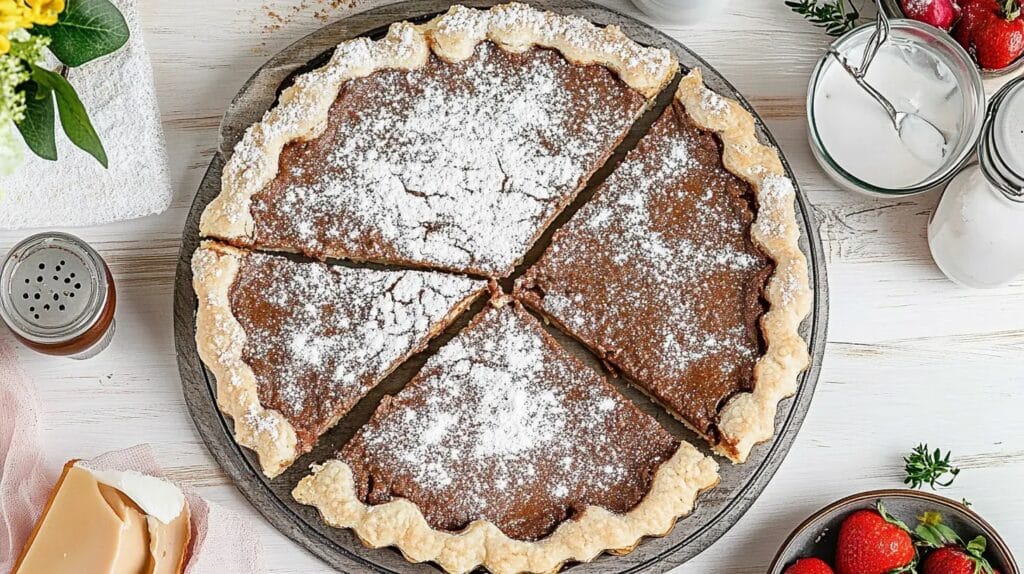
(911, 357)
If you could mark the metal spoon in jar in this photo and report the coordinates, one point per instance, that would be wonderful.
(921, 137)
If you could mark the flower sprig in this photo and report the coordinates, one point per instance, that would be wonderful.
(32, 96)
(23, 15)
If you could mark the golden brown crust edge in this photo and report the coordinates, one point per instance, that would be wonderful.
(220, 339)
(673, 494)
(749, 418)
(303, 108)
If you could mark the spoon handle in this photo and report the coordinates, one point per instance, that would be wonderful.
(859, 78)
(879, 37)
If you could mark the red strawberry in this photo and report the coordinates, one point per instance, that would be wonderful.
(874, 543)
(938, 13)
(809, 566)
(955, 560)
(951, 555)
(993, 31)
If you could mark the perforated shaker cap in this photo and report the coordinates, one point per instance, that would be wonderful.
(53, 288)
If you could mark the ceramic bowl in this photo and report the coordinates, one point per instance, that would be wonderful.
(816, 537)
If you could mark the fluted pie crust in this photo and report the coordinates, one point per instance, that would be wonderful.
(677, 484)
(749, 418)
(745, 420)
(673, 490)
(302, 111)
(221, 340)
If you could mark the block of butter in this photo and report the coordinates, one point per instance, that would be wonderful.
(107, 522)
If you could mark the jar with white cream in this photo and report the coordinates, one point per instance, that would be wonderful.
(922, 72)
(976, 233)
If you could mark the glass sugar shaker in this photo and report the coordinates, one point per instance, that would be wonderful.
(976, 233)
(57, 296)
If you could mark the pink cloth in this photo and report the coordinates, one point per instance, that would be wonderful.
(221, 542)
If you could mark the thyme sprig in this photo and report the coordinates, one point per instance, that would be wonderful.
(836, 17)
(925, 466)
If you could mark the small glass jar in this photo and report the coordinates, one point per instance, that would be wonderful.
(961, 141)
(57, 296)
(976, 233)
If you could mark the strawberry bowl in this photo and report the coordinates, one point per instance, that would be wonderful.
(818, 536)
(894, 8)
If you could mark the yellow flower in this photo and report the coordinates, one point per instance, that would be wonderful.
(44, 12)
(12, 17)
(16, 14)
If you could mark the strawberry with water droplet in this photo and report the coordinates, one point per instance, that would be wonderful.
(939, 13)
(992, 31)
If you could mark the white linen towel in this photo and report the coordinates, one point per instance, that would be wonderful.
(75, 190)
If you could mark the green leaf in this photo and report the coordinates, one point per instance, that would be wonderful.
(37, 127)
(86, 30)
(977, 546)
(836, 16)
(890, 518)
(925, 467)
(73, 117)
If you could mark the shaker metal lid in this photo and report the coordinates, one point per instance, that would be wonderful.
(53, 288)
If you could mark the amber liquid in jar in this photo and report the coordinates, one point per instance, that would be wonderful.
(57, 296)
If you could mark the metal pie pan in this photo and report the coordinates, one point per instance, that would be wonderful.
(717, 511)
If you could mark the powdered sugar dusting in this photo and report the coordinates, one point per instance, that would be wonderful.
(664, 248)
(502, 424)
(318, 337)
(452, 165)
(776, 196)
(571, 33)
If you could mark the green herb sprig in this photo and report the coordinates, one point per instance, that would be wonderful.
(924, 466)
(836, 17)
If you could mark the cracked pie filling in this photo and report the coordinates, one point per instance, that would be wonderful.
(429, 162)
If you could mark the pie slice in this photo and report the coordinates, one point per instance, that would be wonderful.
(509, 453)
(448, 145)
(684, 272)
(295, 345)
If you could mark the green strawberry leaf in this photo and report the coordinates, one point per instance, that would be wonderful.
(977, 546)
(37, 128)
(890, 518)
(73, 117)
(86, 30)
(933, 533)
(976, 550)
(928, 536)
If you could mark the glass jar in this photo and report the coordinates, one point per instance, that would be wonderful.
(905, 35)
(976, 233)
(57, 296)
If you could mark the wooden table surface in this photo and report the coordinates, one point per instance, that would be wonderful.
(911, 357)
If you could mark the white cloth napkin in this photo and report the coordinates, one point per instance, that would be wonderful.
(118, 92)
(222, 541)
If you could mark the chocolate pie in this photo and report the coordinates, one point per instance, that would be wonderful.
(506, 451)
(449, 147)
(294, 346)
(436, 147)
(683, 272)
